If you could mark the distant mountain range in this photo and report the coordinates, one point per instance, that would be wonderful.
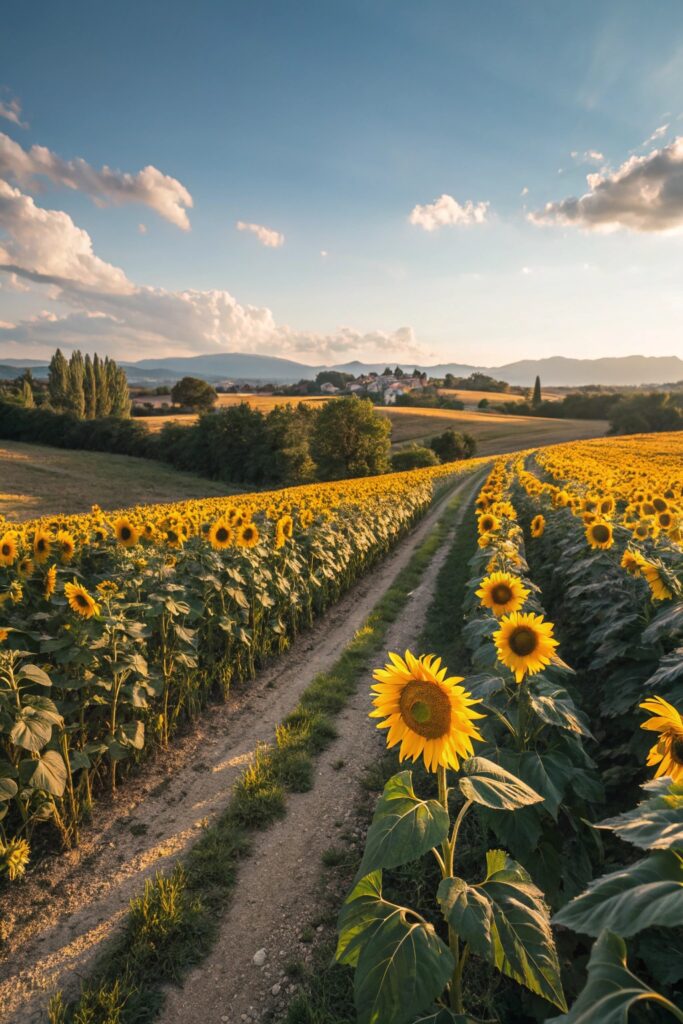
(557, 371)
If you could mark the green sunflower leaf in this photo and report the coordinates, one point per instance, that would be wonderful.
(485, 782)
(404, 826)
(657, 822)
(505, 921)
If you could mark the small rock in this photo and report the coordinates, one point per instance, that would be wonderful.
(225, 1018)
(260, 957)
(275, 990)
(319, 928)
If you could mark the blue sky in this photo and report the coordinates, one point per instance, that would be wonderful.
(328, 124)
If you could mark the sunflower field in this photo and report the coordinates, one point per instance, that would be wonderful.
(549, 835)
(115, 628)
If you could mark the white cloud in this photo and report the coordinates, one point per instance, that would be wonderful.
(524, 192)
(324, 253)
(142, 228)
(447, 211)
(46, 245)
(167, 196)
(266, 236)
(106, 309)
(11, 111)
(644, 194)
(589, 156)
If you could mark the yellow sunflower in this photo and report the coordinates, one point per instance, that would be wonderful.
(8, 549)
(599, 534)
(126, 533)
(487, 523)
(537, 525)
(14, 857)
(66, 545)
(50, 582)
(80, 601)
(631, 561)
(502, 593)
(42, 543)
(655, 579)
(25, 567)
(4, 633)
(667, 752)
(430, 715)
(248, 535)
(642, 530)
(525, 643)
(221, 534)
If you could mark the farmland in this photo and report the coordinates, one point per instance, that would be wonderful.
(494, 432)
(472, 398)
(195, 683)
(36, 480)
(263, 403)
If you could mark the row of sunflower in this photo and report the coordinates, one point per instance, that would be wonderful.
(512, 742)
(115, 628)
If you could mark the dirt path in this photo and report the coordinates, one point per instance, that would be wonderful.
(54, 924)
(278, 889)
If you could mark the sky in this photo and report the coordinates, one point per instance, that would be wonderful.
(429, 181)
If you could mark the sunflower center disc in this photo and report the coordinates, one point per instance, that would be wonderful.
(677, 750)
(221, 535)
(501, 594)
(426, 709)
(600, 533)
(523, 641)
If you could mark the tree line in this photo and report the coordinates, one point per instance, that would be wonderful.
(88, 388)
(241, 445)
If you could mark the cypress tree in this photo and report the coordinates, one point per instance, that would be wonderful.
(89, 388)
(27, 399)
(75, 400)
(58, 381)
(536, 398)
(120, 399)
(103, 400)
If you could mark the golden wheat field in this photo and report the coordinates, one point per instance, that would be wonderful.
(264, 403)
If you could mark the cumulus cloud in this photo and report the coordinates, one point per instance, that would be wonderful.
(644, 194)
(11, 111)
(104, 308)
(447, 211)
(589, 156)
(46, 245)
(266, 236)
(163, 194)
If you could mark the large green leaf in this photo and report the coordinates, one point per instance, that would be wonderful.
(8, 789)
(547, 775)
(401, 964)
(649, 892)
(47, 772)
(404, 827)
(33, 727)
(657, 822)
(611, 990)
(505, 921)
(554, 706)
(34, 675)
(487, 783)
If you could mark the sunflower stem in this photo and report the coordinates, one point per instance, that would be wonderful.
(448, 849)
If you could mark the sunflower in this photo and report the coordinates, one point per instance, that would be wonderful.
(667, 752)
(429, 714)
(50, 582)
(487, 523)
(4, 633)
(42, 543)
(537, 525)
(502, 593)
(286, 524)
(14, 857)
(66, 545)
(606, 506)
(642, 530)
(599, 534)
(655, 579)
(221, 534)
(665, 520)
(525, 643)
(8, 549)
(248, 535)
(631, 561)
(126, 533)
(80, 600)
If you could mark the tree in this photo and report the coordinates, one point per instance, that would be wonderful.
(350, 439)
(640, 414)
(398, 373)
(26, 395)
(387, 372)
(194, 393)
(335, 377)
(118, 389)
(75, 397)
(451, 445)
(58, 380)
(413, 456)
(102, 396)
(537, 397)
(89, 388)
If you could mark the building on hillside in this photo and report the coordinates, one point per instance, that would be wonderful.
(329, 389)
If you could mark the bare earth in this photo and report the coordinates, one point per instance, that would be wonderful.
(54, 924)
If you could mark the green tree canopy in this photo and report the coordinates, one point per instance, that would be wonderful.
(350, 439)
(194, 394)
